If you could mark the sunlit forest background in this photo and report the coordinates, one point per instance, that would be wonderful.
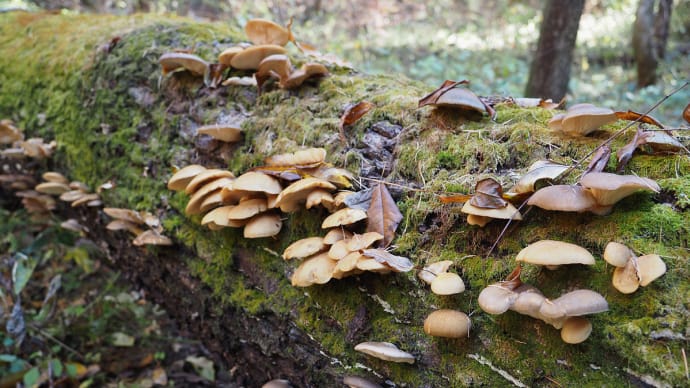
(489, 42)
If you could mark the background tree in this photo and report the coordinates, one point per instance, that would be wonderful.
(550, 69)
(650, 34)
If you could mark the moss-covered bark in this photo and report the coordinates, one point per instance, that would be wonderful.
(115, 118)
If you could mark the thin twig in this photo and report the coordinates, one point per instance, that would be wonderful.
(505, 228)
(685, 362)
(43, 333)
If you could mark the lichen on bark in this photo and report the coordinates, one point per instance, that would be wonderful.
(115, 118)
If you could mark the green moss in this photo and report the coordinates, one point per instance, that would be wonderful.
(105, 133)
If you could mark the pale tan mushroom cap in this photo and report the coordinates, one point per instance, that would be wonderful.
(251, 57)
(626, 279)
(72, 195)
(173, 61)
(448, 324)
(263, 225)
(277, 63)
(529, 301)
(320, 197)
(339, 250)
(151, 237)
(566, 198)
(495, 299)
(52, 188)
(385, 351)
(226, 56)
(52, 176)
(556, 122)
(506, 213)
(359, 382)
(289, 200)
(480, 221)
(223, 132)
(430, 271)
(247, 209)
(549, 252)
(541, 169)
(336, 234)
(581, 119)
(582, 302)
(305, 157)
(119, 224)
(314, 270)
(182, 177)
(9, 133)
(218, 217)
(576, 330)
(447, 283)
(362, 241)
(304, 248)
(205, 177)
(261, 31)
(608, 188)
(124, 214)
(194, 204)
(257, 182)
(344, 216)
(650, 267)
(308, 70)
(617, 254)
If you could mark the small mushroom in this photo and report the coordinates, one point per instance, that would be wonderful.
(359, 382)
(263, 225)
(261, 31)
(448, 324)
(554, 253)
(576, 330)
(430, 271)
(251, 57)
(257, 182)
(289, 200)
(190, 62)
(228, 133)
(581, 302)
(481, 216)
(539, 170)
(9, 133)
(52, 188)
(447, 283)
(626, 279)
(247, 209)
(306, 157)
(567, 198)
(345, 216)
(385, 351)
(277, 66)
(304, 248)
(650, 268)
(317, 269)
(52, 176)
(607, 188)
(226, 56)
(362, 241)
(219, 217)
(336, 234)
(617, 254)
(582, 119)
(202, 193)
(307, 71)
(204, 177)
(151, 237)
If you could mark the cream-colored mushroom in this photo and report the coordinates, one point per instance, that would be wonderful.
(251, 57)
(539, 170)
(581, 119)
(385, 351)
(257, 182)
(554, 253)
(291, 197)
(263, 225)
(304, 248)
(447, 283)
(173, 61)
(617, 254)
(567, 198)
(336, 234)
(576, 330)
(448, 324)
(261, 31)
(430, 271)
(306, 157)
(205, 177)
(226, 56)
(317, 269)
(481, 216)
(345, 216)
(607, 188)
(650, 268)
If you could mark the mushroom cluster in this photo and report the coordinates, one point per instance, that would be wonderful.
(254, 200)
(34, 148)
(596, 193)
(267, 56)
(632, 271)
(9, 133)
(565, 312)
(37, 204)
(339, 254)
(134, 222)
(75, 192)
(582, 119)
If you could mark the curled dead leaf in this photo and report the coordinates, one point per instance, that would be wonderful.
(397, 263)
(599, 160)
(383, 215)
(488, 195)
(635, 116)
(432, 97)
(686, 113)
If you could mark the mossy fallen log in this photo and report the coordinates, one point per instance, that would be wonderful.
(65, 77)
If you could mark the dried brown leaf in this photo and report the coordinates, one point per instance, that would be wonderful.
(432, 97)
(397, 263)
(599, 160)
(459, 198)
(626, 152)
(686, 113)
(351, 115)
(632, 116)
(383, 215)
(488, 195)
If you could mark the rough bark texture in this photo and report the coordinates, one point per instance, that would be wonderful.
(650, 34)
(114, 118)
(549, 72)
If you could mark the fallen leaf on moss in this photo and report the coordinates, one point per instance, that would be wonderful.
(599, 160)
(686, 113)
(383, 215)
(397, 263)
(432, 97)
(488, 195)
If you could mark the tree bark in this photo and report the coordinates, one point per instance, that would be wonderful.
(549, 72)
(650, 35)
(116, 119)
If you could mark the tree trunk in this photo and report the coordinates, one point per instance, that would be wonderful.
(650, 34)
(549, 72)
(115, 119)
